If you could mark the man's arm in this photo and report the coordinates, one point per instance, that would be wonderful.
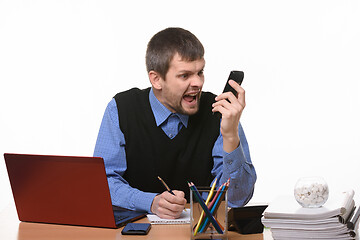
(234, 161)
(237, 166)
(110, 145)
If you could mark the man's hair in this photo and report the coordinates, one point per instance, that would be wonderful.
(163, 46)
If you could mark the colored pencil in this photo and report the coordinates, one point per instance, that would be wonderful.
(206, 202)
(205, 208)
(211, 204)
(216, 203)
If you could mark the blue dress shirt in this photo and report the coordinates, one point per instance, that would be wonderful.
(110, 145)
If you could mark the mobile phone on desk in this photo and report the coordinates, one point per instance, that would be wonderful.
(237, 76)
(136, 229)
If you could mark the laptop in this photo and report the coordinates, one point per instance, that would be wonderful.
(64, 190)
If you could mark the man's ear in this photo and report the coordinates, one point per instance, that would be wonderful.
(155, 80)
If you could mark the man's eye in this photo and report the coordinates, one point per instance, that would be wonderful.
(201, 73)
(184, 76)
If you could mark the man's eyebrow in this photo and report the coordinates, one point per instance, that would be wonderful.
(184, 71)
(190, 71)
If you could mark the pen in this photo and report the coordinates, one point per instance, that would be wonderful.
(166, 186)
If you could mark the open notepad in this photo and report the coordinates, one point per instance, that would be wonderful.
(183, 219)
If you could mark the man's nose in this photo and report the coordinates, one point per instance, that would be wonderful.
(197, 81)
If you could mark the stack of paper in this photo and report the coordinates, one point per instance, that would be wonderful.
(288, 220)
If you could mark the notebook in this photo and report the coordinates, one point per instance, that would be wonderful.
(183, 219)
(64, 190)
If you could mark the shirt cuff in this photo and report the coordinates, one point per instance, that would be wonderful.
(142, 201)
(234, 160)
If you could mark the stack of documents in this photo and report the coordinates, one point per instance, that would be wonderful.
(288, 220)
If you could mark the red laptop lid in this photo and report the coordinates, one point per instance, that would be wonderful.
(60, 189)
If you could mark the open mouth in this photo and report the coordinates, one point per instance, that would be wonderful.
(190, 97)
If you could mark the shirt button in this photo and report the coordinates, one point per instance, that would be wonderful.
(170, 135)
(230, 162)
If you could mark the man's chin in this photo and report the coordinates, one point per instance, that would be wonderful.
(193, 112)
(190, 111)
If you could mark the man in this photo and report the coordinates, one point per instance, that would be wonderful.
(170, 130)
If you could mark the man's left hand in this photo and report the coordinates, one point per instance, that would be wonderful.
(231, 108)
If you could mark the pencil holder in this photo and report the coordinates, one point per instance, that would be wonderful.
(205, 227)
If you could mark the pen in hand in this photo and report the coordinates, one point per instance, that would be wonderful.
(166, 186)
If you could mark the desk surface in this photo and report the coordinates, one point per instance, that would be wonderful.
(12, 229)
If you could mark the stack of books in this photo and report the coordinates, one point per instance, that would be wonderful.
(336, 219)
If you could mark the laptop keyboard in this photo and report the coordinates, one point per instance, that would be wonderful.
(119, 218)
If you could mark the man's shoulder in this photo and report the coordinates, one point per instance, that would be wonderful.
(133, 92)
(131, 100)
(132, 104)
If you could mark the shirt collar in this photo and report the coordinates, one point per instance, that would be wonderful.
(161, 113)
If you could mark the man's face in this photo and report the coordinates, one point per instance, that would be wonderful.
(181, 88)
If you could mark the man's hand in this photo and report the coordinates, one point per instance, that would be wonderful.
(167, 205)
(231, 111)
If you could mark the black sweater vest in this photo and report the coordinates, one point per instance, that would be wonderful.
(151, 153)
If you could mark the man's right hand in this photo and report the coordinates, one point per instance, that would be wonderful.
(169, 206)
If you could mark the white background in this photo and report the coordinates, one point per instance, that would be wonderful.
(61, 62)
